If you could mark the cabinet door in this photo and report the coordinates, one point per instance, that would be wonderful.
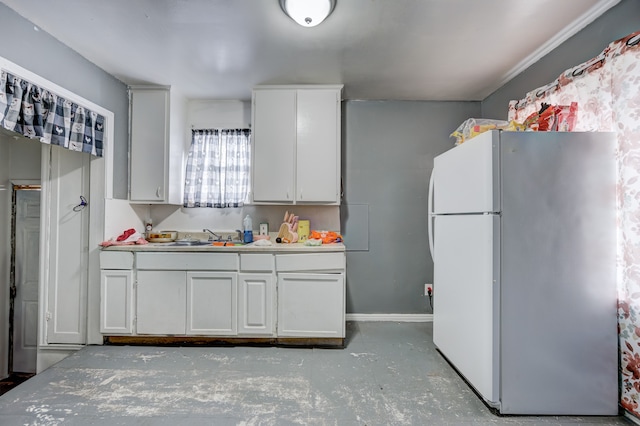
(255, 303)
(318, 146)
(211, 303)
(116, 290)
(311, 305)
(274, 136)
(161, 302)
(149, 142)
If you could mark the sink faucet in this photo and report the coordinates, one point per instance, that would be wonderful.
(213, 235)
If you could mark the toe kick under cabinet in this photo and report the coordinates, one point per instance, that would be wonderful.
(272, 297)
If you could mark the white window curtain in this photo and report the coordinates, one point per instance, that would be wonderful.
(218, 168)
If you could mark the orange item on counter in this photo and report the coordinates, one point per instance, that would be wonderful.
(327, 237)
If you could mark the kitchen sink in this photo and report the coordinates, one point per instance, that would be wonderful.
(227, 243)
(189, 243)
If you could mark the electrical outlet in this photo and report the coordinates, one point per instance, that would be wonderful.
(428, 289)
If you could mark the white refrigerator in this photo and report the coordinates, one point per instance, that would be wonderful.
(522, 231)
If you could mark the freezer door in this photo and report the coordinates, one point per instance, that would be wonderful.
(465, 301)
(467, 177)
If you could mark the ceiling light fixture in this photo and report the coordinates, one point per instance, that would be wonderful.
(308, 13)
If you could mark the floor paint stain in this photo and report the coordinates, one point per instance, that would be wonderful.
(146, 358)
(43, 416)
(109, 380)
(364, 354)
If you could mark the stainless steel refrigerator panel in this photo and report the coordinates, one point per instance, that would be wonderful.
(558, 293)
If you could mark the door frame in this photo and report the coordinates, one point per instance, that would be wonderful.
(16, 185)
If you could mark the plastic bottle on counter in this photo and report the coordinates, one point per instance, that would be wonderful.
(248, 229)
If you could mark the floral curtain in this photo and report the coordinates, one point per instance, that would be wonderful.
(607, 89)
(218, 167)
(37, 113)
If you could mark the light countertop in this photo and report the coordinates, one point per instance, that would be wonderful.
(247, 248)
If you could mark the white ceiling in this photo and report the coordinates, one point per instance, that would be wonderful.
(379, 49)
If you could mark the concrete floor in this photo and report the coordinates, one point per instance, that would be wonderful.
(389, 374)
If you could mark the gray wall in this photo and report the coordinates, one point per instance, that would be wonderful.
(619, 21)
(388, 150)
(42, 54)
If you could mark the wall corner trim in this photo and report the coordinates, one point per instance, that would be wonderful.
(569, 31)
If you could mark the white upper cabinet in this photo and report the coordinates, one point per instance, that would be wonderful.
(296, 144)
(157, 145)
(274, 141)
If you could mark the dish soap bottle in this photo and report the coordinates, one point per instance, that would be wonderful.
(248, 229)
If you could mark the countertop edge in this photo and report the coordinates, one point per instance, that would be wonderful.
(249, 248)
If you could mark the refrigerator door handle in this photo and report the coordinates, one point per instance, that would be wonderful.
(430, 213)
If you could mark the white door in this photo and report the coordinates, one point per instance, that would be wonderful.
(318, 145)
(149, 137)
(67, 263)
(311, 305)
(255, 303)
(116, 295)
(274, 139)
(27, 246)
(212, 298)
(466, 297)
(161, 303)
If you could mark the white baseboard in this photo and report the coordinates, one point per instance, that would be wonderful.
(391, 317)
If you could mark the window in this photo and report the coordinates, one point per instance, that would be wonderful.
(218, 168)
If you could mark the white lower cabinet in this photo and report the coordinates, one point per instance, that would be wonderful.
(187, 303)
(116, 294)
(161, 304)
(255, 308)
(311, 295)
(212, 298)
(191, 294)
(311, 305)
(225, 294)
(256, 298)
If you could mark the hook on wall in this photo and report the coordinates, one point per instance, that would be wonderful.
(82, 205)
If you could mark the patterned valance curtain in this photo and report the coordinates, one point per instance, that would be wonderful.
(607, 89)
(35, 112)
(595, 85)
(218, 167)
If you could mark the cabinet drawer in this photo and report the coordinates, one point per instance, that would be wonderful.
(188, 261)
(256, 262)
(334, 262)
(116, 260)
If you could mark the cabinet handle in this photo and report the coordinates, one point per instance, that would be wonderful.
(301, 194)
(158, 192)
